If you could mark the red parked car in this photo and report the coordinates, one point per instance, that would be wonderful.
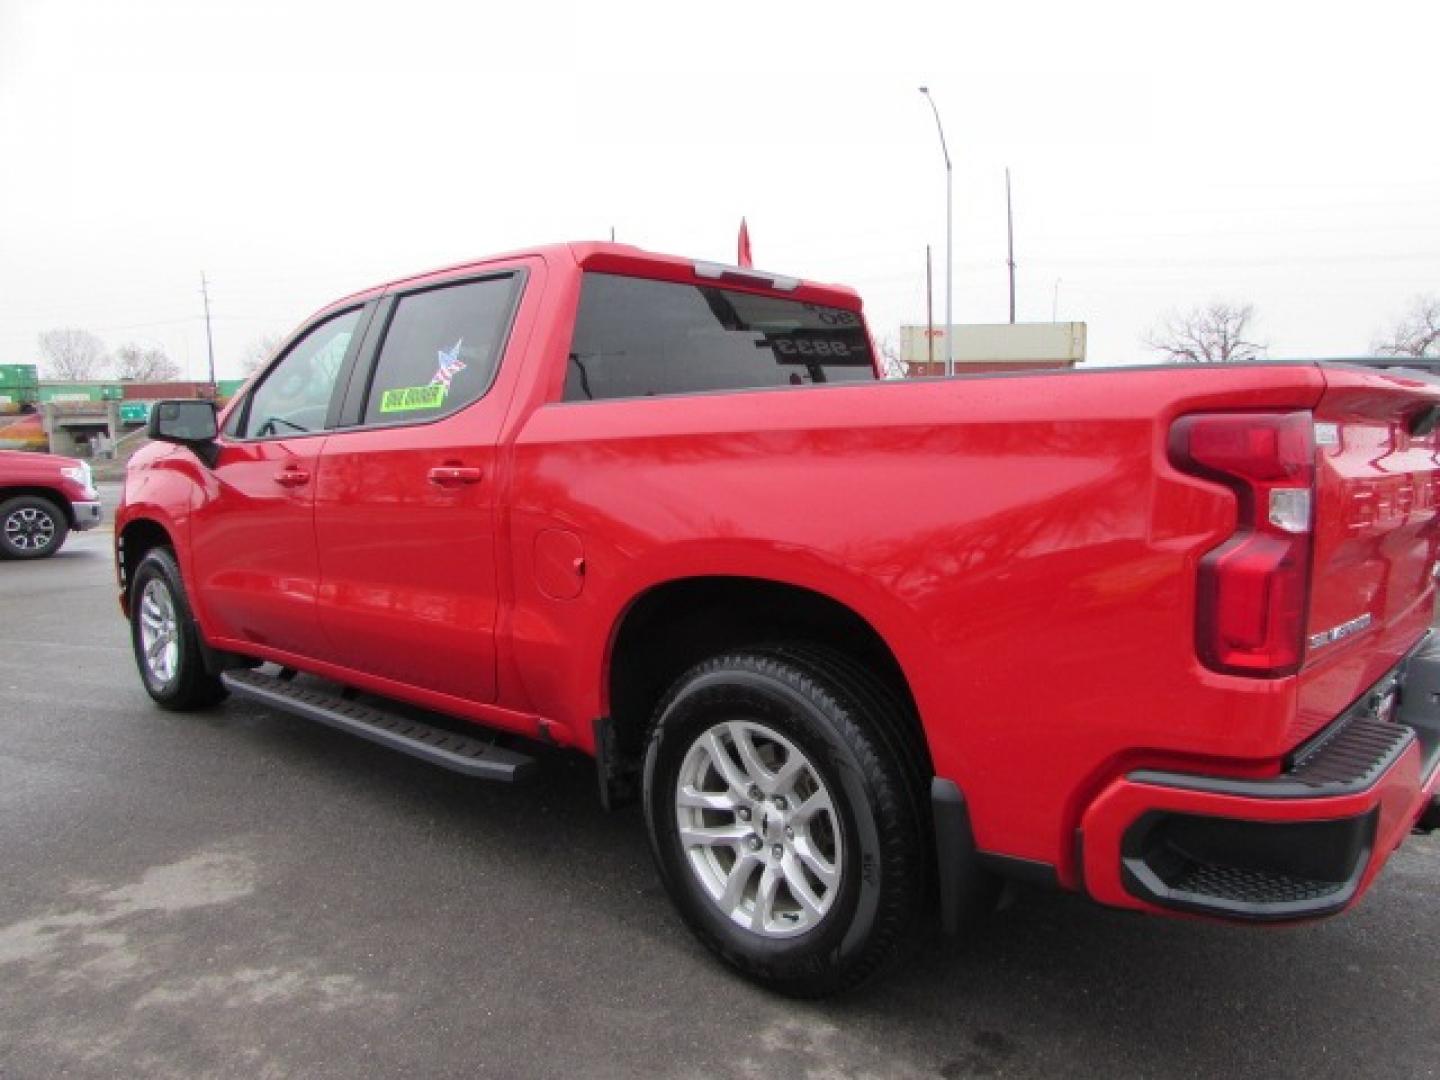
(1159, 636)
(43, 497)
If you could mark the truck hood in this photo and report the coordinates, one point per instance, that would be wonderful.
(25, 459)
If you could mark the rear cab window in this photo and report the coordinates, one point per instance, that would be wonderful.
(440, 350)
(636, 337)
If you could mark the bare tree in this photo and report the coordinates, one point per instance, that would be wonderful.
(145, 365)
(892, 365)
(1215, 333)
(72, 354)
(1417, 334)
(260, 351)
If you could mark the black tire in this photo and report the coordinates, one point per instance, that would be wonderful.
(978, 892)
(189, 686)
(882, 839)
(31, 527)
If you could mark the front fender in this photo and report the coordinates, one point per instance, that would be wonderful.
(162, 493)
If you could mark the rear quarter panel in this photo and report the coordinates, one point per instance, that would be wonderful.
(1020, 543)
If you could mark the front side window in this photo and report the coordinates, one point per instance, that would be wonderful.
(440, 350)
(637, 338)
(294, 397)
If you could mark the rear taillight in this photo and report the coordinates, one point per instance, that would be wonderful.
(1253, 589)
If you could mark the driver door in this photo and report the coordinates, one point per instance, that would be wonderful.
(253, 530)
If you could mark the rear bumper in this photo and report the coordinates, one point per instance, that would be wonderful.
(1299, 845)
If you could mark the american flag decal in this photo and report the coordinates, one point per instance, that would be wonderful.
(450, 365)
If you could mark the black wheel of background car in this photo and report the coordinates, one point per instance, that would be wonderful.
(785, 825)
(31, 527)
(166, 641)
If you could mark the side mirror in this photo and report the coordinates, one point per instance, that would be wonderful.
(190, 423)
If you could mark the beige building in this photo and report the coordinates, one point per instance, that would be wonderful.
(989, 347)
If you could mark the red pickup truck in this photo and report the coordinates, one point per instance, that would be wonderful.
(43, 497)
(863, 648)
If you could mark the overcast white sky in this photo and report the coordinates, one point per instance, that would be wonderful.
(1163, 154)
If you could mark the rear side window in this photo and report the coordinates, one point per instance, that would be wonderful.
(440, 350)
(637, 338)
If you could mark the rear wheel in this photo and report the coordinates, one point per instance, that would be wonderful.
(785, 828)
(31, 527)
(165, 638)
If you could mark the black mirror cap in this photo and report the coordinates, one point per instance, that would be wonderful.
(190, 422)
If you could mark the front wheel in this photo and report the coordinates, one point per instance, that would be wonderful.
(31, 527)
(785, 829)
(165, 638)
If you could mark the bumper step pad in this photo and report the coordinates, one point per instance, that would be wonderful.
(1241, 869)
(1353, 759)
(1238, 885)
(465, 754)
(1344, 761)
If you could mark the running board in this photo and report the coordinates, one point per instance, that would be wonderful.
(459, 753)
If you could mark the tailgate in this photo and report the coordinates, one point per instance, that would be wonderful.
(1377, 502)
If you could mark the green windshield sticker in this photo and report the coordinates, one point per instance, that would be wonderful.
(410, 398)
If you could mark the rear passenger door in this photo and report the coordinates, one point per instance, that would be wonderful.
(405, 499)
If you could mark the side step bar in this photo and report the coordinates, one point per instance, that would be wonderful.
(459, 753)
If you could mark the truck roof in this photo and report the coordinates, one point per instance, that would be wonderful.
(602, 255)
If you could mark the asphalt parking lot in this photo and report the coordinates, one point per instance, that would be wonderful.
(240, 893)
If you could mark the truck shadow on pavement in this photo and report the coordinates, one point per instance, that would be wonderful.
(1052, 985)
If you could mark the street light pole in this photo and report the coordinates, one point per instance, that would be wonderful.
(949, 263)
(1010, 234)
(209, 341)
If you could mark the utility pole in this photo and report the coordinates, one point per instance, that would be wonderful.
(929, 314)
(1010, 231)
(1055, 303)
(209, 340)
(949, 260)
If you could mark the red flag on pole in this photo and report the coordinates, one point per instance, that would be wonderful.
(744, 259)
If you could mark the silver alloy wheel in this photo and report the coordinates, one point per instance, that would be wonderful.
(759, 829)
(29, 529)
(159, 631)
